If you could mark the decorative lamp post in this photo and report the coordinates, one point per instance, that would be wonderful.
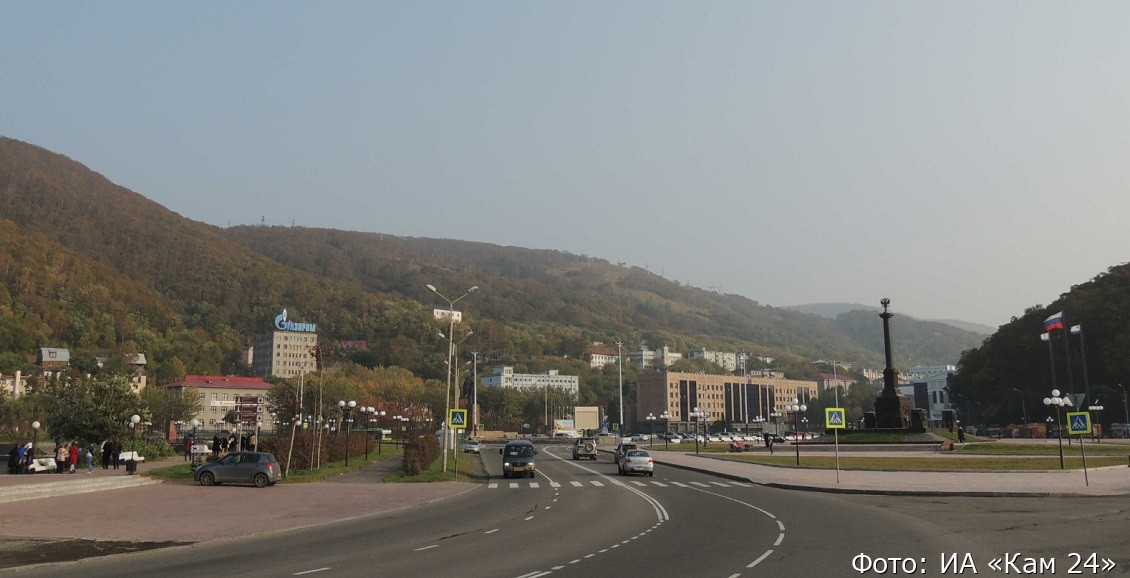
(450, 354)
(346, 407)
(1058, 402)
(131, 465)
(34, 438)
(367, 419)
(804, 422)
(695, 415)
(666, 417)
(776, 413)
(796, 409)
(651, 427)
(1095, 408)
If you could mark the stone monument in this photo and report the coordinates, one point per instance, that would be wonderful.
(892, 411)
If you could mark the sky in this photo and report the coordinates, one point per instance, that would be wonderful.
(967, 160)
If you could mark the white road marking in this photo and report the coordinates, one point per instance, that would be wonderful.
(660, 484)
(721, 484)
(513, 484)
(763, 556)
(598, 484)
(576, 484)
(780, 538)
(554, 485)
(701, 485)
(491, 531)
(310, 571)
(492, 485)
(534, 485)
(427, 547)
(742, 484)
(528, 518)
(681, 485)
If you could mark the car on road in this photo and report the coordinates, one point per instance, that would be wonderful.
(584, 448)
(623, 449)
(518, 458)
(258, 468)
(472, 446)
(641, 438)
(637, 461)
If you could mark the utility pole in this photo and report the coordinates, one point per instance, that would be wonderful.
(620, 354)
(475, 394)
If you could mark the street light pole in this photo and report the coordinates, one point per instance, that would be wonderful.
(796, 411)
(1023, 405)
(1058, 402)
(133, 421)
(346, 408)
(34, 439)
(620, 356)
(651, 426)
(666, 417)
(1125, 412)
(450, 353)
(694, 416)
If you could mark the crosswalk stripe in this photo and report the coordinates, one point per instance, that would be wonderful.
(492, 485)
(681, 485)
(721, 484)
(596, 483)
(576, 484)
(660, 484)
(639, 483)
(534, 485)
(513, 484)
(554, 485)
(701, 485)
(742, 484)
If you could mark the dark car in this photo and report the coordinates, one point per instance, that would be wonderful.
(259, 468)
(518, 459)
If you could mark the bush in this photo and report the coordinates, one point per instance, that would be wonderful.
(151, 449)
(420, 453)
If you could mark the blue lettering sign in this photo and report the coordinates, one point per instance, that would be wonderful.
(284, 324)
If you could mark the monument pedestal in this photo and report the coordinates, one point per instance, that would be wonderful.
(892, 411)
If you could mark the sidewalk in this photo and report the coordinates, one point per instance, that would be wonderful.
(1108, 481)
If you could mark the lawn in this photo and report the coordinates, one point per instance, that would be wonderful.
(929, 464)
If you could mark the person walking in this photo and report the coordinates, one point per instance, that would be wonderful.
(90, 460)
(61, 454)
(107, 452)
(72, 457)
(187, 447)
(14, 460)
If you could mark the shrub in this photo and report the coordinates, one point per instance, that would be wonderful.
(420, 453)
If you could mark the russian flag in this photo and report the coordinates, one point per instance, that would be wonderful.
(1076, 329)
(1055, 321)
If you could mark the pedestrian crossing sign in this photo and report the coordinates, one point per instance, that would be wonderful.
(457, 419)
(834, 418)
(1078, 423)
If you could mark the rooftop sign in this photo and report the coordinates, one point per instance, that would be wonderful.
(284, 324)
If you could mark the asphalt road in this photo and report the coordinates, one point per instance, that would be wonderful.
(582, 519)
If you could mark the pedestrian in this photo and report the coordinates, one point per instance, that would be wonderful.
(253, 445)
(61, 454)
(116, 452)
(90, 460)
(25, 457)
(961, 434)
(107, 451)
(14, 460)
(72, 457)
(187, 447)
(216, 446)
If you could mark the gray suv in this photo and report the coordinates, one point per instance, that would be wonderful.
(584, 448)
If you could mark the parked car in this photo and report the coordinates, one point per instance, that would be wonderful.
(637, 461)
(623, 449)
(584, 448)
(259, 468)
(471, 446)
(641, 438)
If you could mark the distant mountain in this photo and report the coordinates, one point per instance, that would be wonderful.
(834, 310)
(87, 264)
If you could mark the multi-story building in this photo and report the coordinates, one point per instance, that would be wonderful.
(827, 381)
(14, 385)
(288, 351)
(927, 389)
(601, 357)
(728, 361)
(219, 394)
(505, 377)
(724, 398)
(661, 357)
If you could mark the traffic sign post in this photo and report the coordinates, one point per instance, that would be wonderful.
(457, 420)
(835, 421)
(1079, 423)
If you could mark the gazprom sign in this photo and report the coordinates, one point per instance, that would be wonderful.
(284, 324)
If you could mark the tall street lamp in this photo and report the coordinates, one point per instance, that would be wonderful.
(346, 407)
(651, 427)
(131, 465)
(1058, 402)
(368, 419)
(1125, 411)
(35, 438)
(450, 354)
(696, 414)
(1023, 405)
(796, 409)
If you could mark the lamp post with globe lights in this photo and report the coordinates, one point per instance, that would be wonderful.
(697, 415)
(131, 465)
(1096, 408)
(1058, 402)
(666, 417)
(796, 409)
(34, 439)
(347, 408)
(651, 427)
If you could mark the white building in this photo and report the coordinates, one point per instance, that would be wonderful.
(602, 357)
(13, 385)
(927, 389)
(505, 377)
(286, 352)
(443, 313)
(661, 357)
(728, 361)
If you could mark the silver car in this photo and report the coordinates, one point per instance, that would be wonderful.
(637, 461)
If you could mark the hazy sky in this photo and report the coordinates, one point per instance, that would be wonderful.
(965, 159)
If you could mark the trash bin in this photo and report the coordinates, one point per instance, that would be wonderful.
(131, 467)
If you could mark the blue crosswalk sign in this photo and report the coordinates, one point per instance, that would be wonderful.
(834, 418)
(1078, 423)
(458, 419)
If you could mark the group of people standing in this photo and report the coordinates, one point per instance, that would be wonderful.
(111, 449)
(67, 456)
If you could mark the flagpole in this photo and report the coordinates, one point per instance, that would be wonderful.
(1083, 351)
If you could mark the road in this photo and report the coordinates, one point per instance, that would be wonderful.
(582, 519)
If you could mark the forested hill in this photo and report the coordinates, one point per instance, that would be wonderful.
(92, 266)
